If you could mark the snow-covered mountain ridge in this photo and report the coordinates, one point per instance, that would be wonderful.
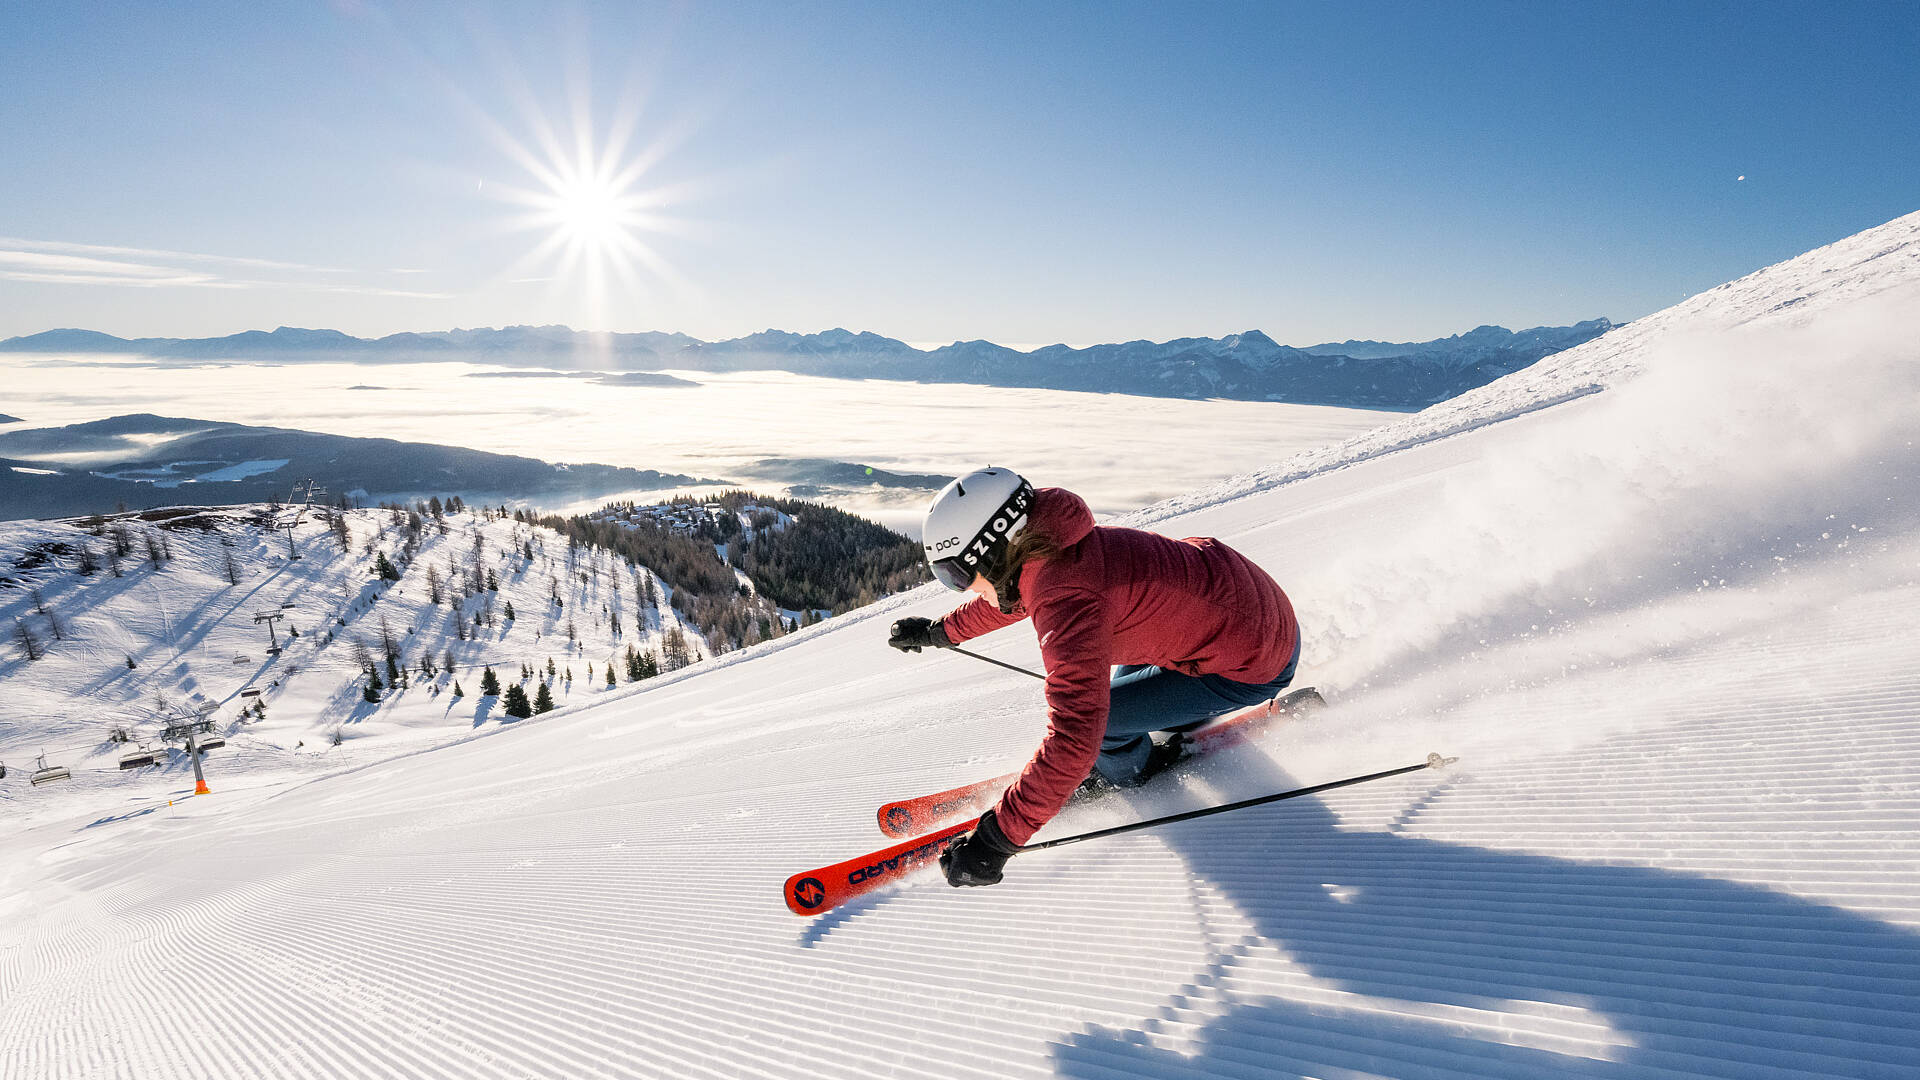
(1666, 624)
(1248, 366)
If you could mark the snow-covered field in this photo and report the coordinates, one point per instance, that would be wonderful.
(1657, 593)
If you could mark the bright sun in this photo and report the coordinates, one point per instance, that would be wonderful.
(589, 213)
(593, 215)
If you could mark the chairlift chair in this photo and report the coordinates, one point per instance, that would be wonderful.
(3, 770)
(214, 743)
(138, 760)
(45, 774)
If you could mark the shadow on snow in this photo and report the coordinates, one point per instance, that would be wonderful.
(1690, 973)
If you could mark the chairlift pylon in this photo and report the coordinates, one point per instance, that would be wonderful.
(44, 773)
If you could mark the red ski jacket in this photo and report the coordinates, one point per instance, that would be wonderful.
(1123, 596)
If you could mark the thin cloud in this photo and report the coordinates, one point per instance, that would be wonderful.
(370, 290)
(161, 253)
(77, 266)
(54, 262)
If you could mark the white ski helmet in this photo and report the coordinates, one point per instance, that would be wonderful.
(970, 523)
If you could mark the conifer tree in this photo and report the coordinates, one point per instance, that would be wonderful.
(543, 699)
(516, 704)
(457, 692)
(509, 611)
(374, 686)
(489, 683)
(610, 681)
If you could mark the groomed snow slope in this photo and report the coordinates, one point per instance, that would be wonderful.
(1668, 627)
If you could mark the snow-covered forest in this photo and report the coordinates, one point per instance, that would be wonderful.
(380, 635)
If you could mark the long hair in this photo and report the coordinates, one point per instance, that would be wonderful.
(1031, 544)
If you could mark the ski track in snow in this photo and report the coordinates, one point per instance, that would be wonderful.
(1680, 842)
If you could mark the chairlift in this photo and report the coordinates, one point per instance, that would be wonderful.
(139, 760)
(45, 774)
(251, 691)
(214, 743)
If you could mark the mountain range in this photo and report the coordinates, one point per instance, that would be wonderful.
(1248, 366)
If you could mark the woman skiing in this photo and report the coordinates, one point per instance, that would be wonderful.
(1194, 627)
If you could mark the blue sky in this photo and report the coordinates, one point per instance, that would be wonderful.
(1023, 173)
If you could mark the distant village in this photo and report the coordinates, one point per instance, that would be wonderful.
(689, 518)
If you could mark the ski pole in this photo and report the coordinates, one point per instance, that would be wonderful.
(1434, 761)
(997, 663)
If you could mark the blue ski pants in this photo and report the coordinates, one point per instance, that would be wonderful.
(1147, 699)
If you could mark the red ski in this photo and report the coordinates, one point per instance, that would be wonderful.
(814, 891)
(909, 817)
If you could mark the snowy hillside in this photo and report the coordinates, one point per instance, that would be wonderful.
(1656, 592)
(168, 628)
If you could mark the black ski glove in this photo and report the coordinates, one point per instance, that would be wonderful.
(913, 634)
(977, 857)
